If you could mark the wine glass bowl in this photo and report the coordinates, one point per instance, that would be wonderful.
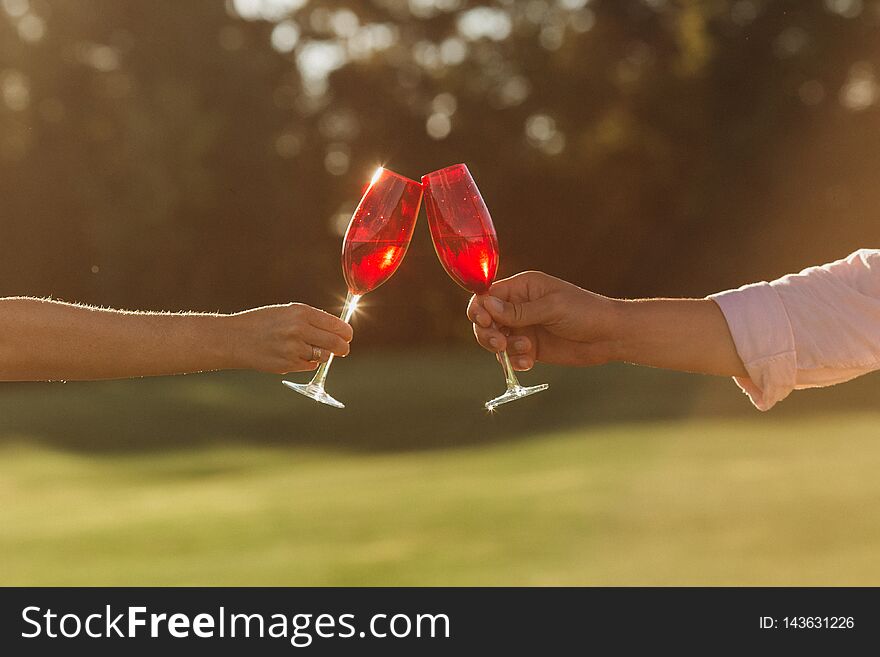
(461, 228)
(380, 231)
(375, 243)
(467, 246)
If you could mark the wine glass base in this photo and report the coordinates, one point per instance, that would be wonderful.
(515, 393)
(315, 392)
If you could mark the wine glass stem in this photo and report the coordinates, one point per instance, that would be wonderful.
(351, 302)
(509, 374)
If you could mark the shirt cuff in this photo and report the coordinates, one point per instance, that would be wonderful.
(764, 341)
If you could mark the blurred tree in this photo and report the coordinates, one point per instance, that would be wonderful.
(208, 155)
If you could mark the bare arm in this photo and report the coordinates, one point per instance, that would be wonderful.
(678, 334)
(553, 321)
(42, 339)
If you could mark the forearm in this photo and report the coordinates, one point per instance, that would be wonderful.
(49, 340)
(678, 334)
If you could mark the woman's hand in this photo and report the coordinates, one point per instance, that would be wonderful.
(537, 317)
(281, 339)
(44, 340)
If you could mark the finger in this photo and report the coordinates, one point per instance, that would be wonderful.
(518, 345)
(507, 288)
(519, 313)
(477, 314)
(522, 364)
(523, 286)
(519, 364)
(490, 338)
(327, 322)
(324, 340)
(304, 352)
(295, 365)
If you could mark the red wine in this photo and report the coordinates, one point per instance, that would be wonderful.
(461, 228)
(471, 261)
(380, 231)
(366, 265)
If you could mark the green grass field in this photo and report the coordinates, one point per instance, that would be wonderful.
(618, 476)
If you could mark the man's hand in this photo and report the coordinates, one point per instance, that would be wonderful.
(537, 317)
(280, 339)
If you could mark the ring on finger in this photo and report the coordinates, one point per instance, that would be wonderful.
(316, 354)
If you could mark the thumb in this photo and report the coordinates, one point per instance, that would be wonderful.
(517, 314)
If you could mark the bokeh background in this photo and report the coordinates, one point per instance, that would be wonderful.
(207, 155)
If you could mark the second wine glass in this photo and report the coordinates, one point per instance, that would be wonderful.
(377, 238)
(465, 241)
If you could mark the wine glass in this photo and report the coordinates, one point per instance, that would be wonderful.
(376, 241)
(465, 241)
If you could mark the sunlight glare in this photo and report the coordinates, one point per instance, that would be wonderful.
(269, 10)
(388, 258)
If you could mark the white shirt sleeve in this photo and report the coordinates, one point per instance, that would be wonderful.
(815, 328)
